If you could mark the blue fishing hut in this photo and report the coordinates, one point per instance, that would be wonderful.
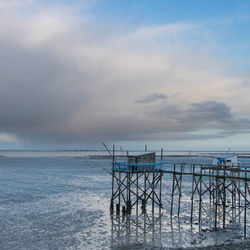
(137, 180)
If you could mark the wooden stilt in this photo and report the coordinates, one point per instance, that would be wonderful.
(180, 194)
(239, 194)
(224, 198)
(144, 195)
(172, 194)
(160, 193)
(216, 200)
(192, 196)
(245, 205)
(153, 194)
(232, 195)
(200, 195)
(118, 209)
(137, 192)
(112, 198)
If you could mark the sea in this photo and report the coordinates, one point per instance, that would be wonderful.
(61, 200)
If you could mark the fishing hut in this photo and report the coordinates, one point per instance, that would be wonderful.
(226, 160)
(136, 182)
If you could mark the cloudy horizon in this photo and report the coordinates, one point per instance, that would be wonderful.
(78, 73)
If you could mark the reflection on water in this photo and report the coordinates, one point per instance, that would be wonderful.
(158, 231)
(136, 231)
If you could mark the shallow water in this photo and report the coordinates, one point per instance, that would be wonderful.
(59, 202)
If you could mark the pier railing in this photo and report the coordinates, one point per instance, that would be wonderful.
(138, 167)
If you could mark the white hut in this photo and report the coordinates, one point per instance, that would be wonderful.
(229, 160)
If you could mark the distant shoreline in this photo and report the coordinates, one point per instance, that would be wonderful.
(242, 152)
(103, 154)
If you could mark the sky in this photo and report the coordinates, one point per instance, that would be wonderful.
(170, 74)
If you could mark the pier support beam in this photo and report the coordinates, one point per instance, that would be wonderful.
(127, 190)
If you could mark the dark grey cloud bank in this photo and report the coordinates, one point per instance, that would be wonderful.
(37, 90)
(203, 115)
(76, 87)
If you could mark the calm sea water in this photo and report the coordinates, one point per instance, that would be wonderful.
(51, 201)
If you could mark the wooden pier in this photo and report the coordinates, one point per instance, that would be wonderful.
(218, 193)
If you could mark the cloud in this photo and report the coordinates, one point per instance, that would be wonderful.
(65, 79)
(10, 4)
(169, 34)
(152, 98)
(211, 111)
(8, 138)
(201, 116)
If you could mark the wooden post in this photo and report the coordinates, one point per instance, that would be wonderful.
(153, 230)
(128, 202)
(153, 193)
(137, 227)
(224, 198)
(210, 191)
(112, 198)
(216, 200)
(239, 193)
(233, 205)
(179, 187)
(119, 194)
(137, 194)
(200, 196)
(172, 194)
(113, 173)
(123, 210)
(118, 209)
(144, 195)
(160, 193)
(129, 189)
(112, 230)
(213, 190)
(192, 196)
(245, 205)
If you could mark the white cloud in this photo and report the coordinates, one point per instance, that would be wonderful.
(168, 33)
